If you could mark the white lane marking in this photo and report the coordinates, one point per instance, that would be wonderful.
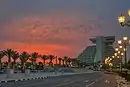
(106, 81)
(98, 79)
(86, 81)
(90, 84)
(66, 83)
(94, 82)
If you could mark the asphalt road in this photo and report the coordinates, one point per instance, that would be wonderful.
(83, 80)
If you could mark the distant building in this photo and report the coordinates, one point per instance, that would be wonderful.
(97, 53)
(88, 55)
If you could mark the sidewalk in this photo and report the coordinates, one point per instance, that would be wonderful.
(31, 76)
(121, 82)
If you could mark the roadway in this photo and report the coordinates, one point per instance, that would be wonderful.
(95, 79)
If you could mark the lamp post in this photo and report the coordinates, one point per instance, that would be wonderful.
(122, 20)
(123, 44)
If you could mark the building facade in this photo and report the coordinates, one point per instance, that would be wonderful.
(102, 48)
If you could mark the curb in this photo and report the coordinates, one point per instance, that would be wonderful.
(35, 78)
(27, 79)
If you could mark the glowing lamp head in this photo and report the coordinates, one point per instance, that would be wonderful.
(118, 56)
(110, 64)
(116, 49)
(115, 54)
(119, 42)
(119, 52)
(121, 19)
(122, 54)
(125, 49)
(125, 38)
(129, 12)
(120, 47)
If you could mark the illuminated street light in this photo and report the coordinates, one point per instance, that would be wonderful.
(115, 54)
(121, 19)
(118, 56)
(120, 47)
(116, 49)
(119, 42)
(125, 38)
(122, 54)
(125, 49)
(119, 52)
(110, 64)
(129, 12)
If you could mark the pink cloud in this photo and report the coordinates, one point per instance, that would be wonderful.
(62, 34)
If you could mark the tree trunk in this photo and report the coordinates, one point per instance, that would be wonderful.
(59, 62)
(44, 62)
(0, 64)
(14, 63)
(9, 61)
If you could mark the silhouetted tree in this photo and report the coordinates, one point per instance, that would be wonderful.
(15, 56)
(63, 62)
(24, 57)
(33, 58)
(65, 59)
(1, 56)
(8, 53)
(44, 58)
(51, 57)
(59, 60)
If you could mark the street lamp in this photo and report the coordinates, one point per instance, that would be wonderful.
(119, 52)
(122, 20)
(116, 49)
(123, 44)
(129, 12)
(119, 42)
(125, 38)
(115, 54)
(120, 47)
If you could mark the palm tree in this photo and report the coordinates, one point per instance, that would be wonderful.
(1, 56)
(23, 58)
(15, 56)
(63, 62)
(69, 61)
(59, 60)
(33, 58)
(65, 59)
(51, 57)
(8, 53)
(44, 58)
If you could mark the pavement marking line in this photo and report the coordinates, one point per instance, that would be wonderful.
(90, 84)
(86, 81)
(94, 82)
(66, 83)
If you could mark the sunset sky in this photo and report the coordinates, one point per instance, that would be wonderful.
(59, 27)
